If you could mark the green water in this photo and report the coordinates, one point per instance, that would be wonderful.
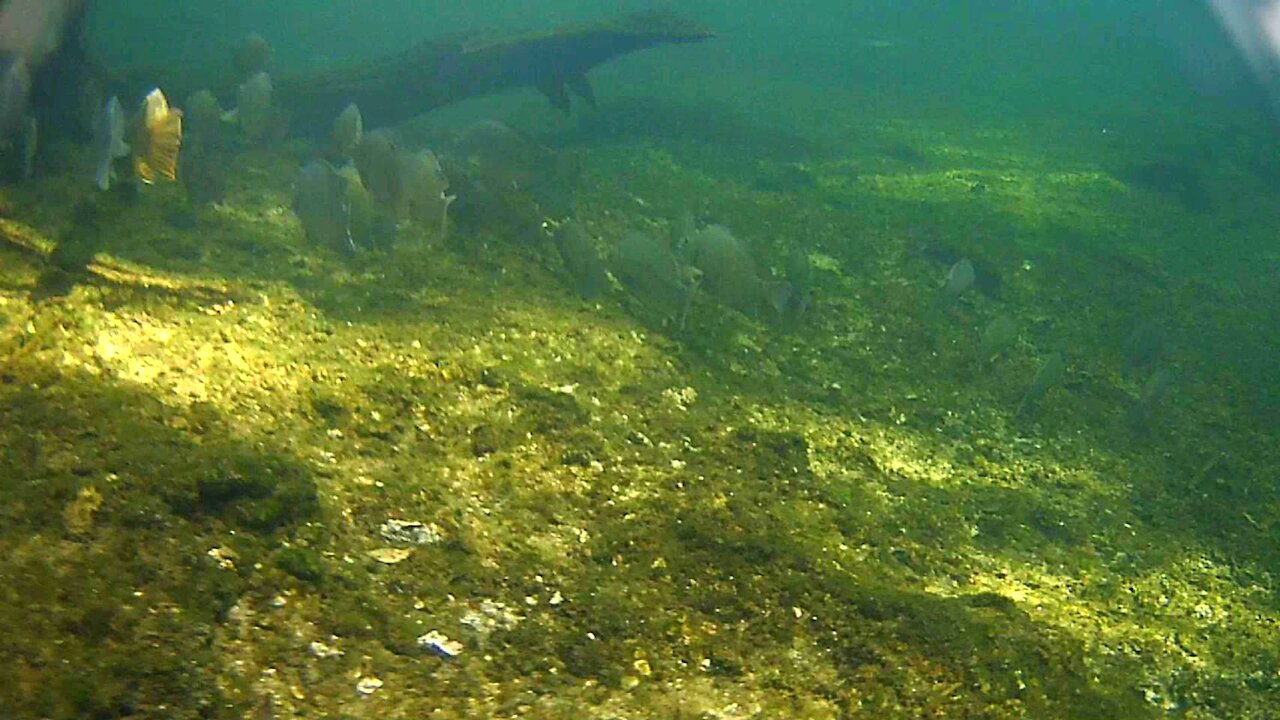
(247, 475)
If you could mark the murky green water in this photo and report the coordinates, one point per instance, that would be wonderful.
(808, 360)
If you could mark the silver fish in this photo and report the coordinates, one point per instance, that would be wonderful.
(108, 142)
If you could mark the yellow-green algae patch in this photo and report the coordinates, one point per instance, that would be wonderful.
(840, 519)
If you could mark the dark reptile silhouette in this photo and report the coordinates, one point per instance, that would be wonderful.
(396, 88)
(401, 86)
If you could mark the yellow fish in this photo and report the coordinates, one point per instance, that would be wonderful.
(159, 139)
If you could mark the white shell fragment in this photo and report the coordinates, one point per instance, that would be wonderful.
(368, 685)
(410, 532)
(436, 642)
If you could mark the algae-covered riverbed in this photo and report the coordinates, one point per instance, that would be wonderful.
(244, 476)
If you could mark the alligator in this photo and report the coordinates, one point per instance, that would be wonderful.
(436, 73)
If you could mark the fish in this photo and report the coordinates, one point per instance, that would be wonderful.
(320, 200)
(158, 140)
(424, 187)
(508, 183)
(729, 273)
(348, 131)
(959, 279)
(1050, 372)
(29, 142)
(254, 109)
(253, 56)
(108, 142)
(998, 336)
(33, 29)
(800, 283)
(377, 157)
(1144, 347)
(204, 117)
(1154, 392)
(15, 88)
(648, 269)
(581, 259)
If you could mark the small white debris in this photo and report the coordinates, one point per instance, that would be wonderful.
(368, 685)
(438, 643)
(278, 601)
(322, 651)
(225, 557)
(556, 599)
(410, 532)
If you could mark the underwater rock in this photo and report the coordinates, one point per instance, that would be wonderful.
(580, 258)
(320, 200)
(647, 268)
(729, 273)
